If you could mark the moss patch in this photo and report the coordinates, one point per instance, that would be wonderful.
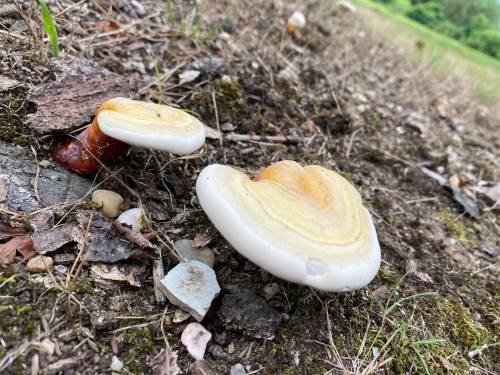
(13, 111)
(231, 106)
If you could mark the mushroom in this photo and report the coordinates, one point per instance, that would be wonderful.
(121, 122)
(306, 225)
(295, 23)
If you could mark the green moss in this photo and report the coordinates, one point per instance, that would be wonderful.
(13, 114)
(140, 343)
(375, 120)
(449, 315)
(454, 226)
(387, 275)
(231, 106)
(417, 334)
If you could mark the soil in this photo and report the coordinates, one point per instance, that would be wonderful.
(338, 95)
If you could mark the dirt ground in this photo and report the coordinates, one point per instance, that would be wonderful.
(336, 95)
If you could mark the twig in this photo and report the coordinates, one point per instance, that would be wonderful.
(134, 237)
(287, 139)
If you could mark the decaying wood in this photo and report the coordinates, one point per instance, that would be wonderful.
(71, 100)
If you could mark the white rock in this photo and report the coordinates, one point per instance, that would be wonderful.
(192, 286)
(134, 218)
(195, 338)
(347, 5)
(188, 76)
(108, 201)
(116, 364)
(297, 20)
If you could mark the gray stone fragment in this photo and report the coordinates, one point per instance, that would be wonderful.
(192, 286)
(46, 241)
(238, 369)
(217, 351)
(17, 175)
(243, 310)
(105, 243)
(210, 67)
(204, 254)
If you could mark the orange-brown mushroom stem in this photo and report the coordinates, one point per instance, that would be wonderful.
(82, 155)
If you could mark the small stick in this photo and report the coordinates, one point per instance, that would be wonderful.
(158, 274)
(233, 137)
(134, 237)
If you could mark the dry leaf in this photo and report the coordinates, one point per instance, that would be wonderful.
(7, 254)
(447, 364)
(8, 250)
(8, 231)
(129, 273)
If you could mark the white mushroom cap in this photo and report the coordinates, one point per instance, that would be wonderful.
(306, 225)
(150, 125)
(297, 20)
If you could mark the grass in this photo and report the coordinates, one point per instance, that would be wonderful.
(50, 28)
(479, 72)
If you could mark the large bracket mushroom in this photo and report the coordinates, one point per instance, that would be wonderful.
(306, 225)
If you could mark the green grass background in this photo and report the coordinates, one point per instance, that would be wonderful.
(478, 72)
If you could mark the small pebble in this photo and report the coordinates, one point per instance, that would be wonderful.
(61, 268)
(203, 254)
(116, 364)
(195, 338)
(217, 352)
(230, 348)
(40, 263)
(134, 218)
(108, 201)
(238, 369)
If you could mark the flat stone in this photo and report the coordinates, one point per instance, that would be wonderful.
(203, 254)
(244, 311)
(192, 286)
(105, 243)
(46, 241)
(39, 263)
(42, 220)
(17, 176)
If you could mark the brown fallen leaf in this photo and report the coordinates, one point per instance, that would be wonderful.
(8, 250)
(201, 240)
(447, 364)
(133, 274)
(7, 254)
(8, 231)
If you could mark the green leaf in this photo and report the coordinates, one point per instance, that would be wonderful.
(50, 28)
